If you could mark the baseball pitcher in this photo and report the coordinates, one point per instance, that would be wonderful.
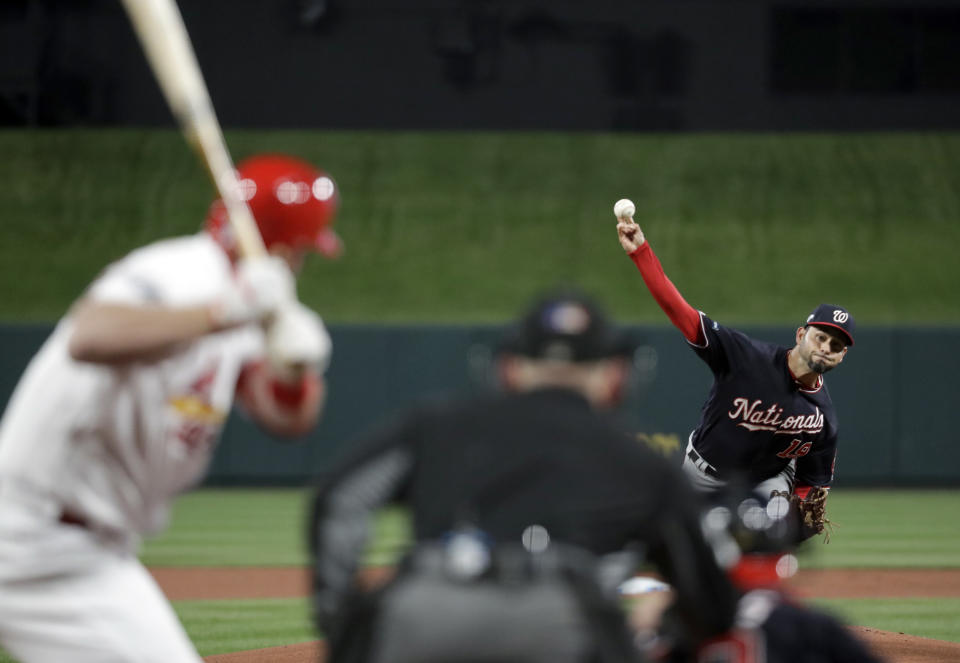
(768, 417)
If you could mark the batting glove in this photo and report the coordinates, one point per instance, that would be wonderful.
(259, 288)
(297, 338)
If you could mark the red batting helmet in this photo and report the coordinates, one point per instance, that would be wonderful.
(293, 203)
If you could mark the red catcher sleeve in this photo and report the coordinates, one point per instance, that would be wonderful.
(683, 316)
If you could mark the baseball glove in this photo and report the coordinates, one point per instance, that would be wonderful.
(812, 512)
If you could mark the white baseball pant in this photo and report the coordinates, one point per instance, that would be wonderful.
(67, 594)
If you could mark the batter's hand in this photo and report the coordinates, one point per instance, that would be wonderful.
(259, 288)
(630, 235)
(297, 340)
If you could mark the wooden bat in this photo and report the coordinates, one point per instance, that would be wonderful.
(164, 37)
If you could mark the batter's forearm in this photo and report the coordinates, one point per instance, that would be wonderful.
(683, 316)
(115, 333)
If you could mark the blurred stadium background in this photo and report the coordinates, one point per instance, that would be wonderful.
(781, 154)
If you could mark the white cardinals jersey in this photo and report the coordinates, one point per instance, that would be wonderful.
(114, 444)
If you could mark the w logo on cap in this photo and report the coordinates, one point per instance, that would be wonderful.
(836, 317)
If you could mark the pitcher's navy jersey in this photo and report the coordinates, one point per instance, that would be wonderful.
(758, 417)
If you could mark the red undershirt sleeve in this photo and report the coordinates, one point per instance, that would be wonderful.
(683, 316)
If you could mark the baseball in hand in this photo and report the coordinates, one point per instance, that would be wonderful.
(624, 209)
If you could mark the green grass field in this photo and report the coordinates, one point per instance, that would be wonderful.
(218, 627)
(464, 227)
(874, 528)
(929, 618)
(877, 528)
(890, 528)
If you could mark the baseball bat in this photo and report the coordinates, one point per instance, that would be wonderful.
(159, 26)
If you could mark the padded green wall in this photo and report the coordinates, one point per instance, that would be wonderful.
(896, 394)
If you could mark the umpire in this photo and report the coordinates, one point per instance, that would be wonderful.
(509, 494)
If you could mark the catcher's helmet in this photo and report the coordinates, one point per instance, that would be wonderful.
(763, 529)
(293, 202)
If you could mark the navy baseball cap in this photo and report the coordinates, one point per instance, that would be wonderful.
(565, 326)
(837, 317)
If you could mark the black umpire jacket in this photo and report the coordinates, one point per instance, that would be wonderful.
(503, 463)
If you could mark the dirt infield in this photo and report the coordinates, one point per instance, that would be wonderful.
(255, 582)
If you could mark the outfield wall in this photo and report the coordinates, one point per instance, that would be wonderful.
(895, 395)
